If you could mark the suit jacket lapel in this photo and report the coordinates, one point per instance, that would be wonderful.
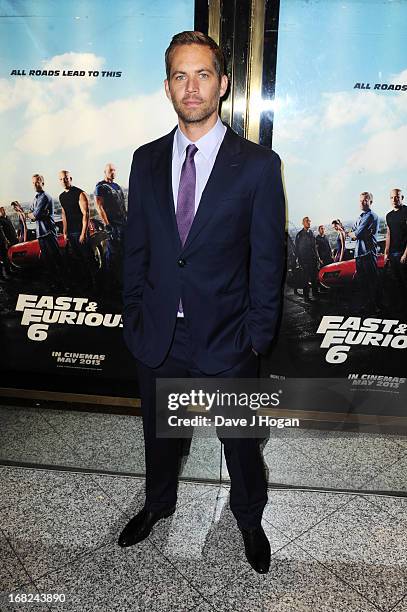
(162, 186)
(223, 174)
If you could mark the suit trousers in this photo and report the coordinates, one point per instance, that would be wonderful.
(248, 491)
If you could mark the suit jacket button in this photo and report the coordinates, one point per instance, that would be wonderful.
(181, 263)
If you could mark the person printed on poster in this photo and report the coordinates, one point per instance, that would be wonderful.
(22, 233)
(323, 246)
(308, 258)
(340, 240)
(110, 204)
(42, 212)
(75, 219)
(365, 232)
(395, 253)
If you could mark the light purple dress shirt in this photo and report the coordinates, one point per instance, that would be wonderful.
(208, 148)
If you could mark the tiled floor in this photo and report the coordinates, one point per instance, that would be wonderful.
(92, 441)
(300, 457)
(330, 552)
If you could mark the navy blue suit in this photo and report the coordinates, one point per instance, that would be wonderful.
(228, 275)
(229, 271)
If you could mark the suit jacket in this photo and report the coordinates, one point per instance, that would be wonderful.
(229, 271)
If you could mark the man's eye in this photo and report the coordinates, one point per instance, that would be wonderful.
(179, 77)
(203, 75)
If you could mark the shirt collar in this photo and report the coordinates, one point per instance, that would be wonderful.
(206, 145)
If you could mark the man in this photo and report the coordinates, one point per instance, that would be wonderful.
(323, 247)
(8, 227)
(204, 255)
(42, 212)
(307, 254)
(110, 204)
(365, 232)
(75, 220)
(396, 244)
(5, 266)
(8, 237)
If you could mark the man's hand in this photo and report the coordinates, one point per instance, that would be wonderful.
(386, 258)
(352, 235)
(403, 258)
(30, 215)
(82, 238)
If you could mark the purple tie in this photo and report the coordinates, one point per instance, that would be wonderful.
(186, 194)
(186, 197)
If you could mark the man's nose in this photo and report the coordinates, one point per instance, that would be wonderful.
(192, 84)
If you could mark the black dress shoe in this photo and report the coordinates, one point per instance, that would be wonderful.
(140, 526)
(257, 548)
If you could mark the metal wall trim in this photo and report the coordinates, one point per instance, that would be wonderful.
(214, 20)
(255, 71)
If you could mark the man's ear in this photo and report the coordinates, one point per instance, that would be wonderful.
(223, 85)
(167, 89)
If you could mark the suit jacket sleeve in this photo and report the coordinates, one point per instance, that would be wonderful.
(267, 238)
(135, 251)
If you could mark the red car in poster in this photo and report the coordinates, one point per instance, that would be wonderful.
(28, 254)
(342, 273)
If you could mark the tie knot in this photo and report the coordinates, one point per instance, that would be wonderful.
(190, 152)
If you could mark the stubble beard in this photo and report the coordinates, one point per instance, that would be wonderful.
(199, 114)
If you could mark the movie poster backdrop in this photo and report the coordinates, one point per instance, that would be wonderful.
(340, 126)
(81, 88)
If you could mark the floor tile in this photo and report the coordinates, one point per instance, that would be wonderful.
(13, 417)
(102, 441)
(294, 512)
(355, 457)
(393, 478)
(366, 547)
(48, 533)
(398, 439)
(128, 492)
(27, 437)
(12, 572)
(396, 506)
(288, 466)
(204, 606)
(19, 485)
(203, 541)
(135, 579)
(99, 442)
(401, 606)
(295, 583)
(203, 460)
